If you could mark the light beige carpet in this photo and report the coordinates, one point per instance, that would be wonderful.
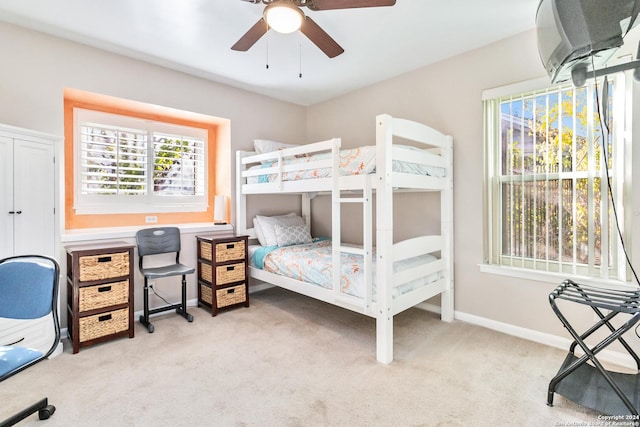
(289, 360)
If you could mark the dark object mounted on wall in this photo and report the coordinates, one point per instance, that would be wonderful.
(578, 37)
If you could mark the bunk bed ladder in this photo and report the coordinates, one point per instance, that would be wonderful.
(338, 246)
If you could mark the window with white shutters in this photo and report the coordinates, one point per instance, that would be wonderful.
(132, 165)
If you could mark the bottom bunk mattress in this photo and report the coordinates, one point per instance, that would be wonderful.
(313, 263)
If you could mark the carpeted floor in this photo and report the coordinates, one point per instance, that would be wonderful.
(289, 360)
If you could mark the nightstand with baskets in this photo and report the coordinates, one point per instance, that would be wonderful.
(222, 272)
(99, 293)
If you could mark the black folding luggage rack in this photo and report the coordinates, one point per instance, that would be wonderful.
(591, 385)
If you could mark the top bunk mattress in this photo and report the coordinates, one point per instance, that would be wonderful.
(355, 161)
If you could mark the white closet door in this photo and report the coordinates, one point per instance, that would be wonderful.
(34, 198)
(6, 197)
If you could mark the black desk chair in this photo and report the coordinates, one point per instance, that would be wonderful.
(155, 241)
(29, 328)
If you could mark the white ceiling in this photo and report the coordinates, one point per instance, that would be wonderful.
(195, 36)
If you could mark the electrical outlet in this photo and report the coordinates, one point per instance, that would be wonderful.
(151, 219)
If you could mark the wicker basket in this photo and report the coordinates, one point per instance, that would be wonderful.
(93, 297)
(205, 272)
(224, 273)
(229, 273)
(103, 324)
(226, 296)
(205, 250)
(205, 294)
(230, 251)
(232, 295)
(104, 266)
(224, 251)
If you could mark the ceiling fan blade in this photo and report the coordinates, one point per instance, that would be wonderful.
(249, 38)
(321, 39)
(348, 4)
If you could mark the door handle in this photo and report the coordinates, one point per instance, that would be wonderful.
(15, 212)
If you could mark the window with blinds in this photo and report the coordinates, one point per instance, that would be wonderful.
(548, 200)
(128, 165)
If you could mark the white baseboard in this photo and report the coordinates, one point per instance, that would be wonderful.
(562, 343)
(609, 356)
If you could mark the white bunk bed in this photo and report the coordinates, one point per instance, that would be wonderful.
(274, 173)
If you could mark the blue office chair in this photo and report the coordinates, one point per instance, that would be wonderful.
(155, 241)
(29, 328)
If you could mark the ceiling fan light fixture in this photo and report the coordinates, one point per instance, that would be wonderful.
(283, 18)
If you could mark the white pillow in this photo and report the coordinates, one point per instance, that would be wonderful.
(267, 226)
(292, 235)
(258, 228)
(266, 146)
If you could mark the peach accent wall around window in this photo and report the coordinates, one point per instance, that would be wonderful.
(218, 144)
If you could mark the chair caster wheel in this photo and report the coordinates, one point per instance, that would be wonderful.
(46, 412)
(150, 328)
(190, 317)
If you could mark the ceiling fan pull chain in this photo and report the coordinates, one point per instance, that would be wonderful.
(300, 55)
(267, 47)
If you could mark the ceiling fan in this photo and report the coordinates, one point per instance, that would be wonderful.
(307, 26)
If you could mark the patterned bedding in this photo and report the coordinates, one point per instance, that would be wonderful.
(312, 263)
(356, 161)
